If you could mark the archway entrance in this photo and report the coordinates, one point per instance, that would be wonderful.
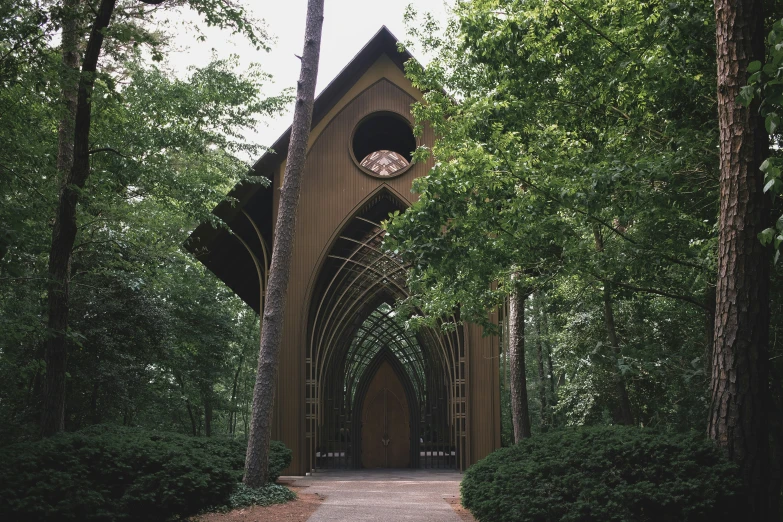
(378, 394)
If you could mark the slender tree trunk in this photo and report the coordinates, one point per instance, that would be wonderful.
(69, 86)
(548, 347)
(776, 447)
(188, 406)
(623, 413)
(257, 461)
(232, 412)
(542, 384)
(520, 414)
(738, 410)
(709, 328)
(64, 234)
(95, 418)
(208, 412)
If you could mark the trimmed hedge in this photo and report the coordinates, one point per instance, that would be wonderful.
(110, 473)
(605, 474)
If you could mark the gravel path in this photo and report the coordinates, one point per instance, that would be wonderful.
(384, 495)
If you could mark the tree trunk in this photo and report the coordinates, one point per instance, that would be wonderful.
(542, 384)
(69, 86)
(232, 412)
(520, 414)
(551, 372)
(622, 413)
(207, 412)
(95, 417)
(257, 461)
(738, 410)
(776, 447)
(64, 234)
(709, 328)
(189, 407)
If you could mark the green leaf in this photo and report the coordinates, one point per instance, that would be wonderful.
(746, 95)
(754, 66)
(766, 236)
(769, 185)
(772, 122)
(764, 166)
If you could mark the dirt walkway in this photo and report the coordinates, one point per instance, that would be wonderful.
(298, 510)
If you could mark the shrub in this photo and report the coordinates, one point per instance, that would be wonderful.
(266, 495)
(110, 473)
(604, 474)
(279, 459)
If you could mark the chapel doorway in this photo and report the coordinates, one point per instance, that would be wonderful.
(386, 431)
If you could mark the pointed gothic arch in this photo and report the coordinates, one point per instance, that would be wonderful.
(351, 315)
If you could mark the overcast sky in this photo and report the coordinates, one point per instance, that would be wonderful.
(348, 25)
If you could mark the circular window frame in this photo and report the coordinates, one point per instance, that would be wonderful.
(358, 162)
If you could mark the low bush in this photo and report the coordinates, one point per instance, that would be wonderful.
(266, 495)
(110, 473)
(604, 474)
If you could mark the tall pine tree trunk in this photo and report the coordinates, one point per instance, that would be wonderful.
(738, 410)
(257, 460)
(520, 414)
(64, 233)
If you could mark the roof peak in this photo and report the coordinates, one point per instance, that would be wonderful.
(382, 42)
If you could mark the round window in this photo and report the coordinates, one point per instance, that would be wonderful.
(382, 144)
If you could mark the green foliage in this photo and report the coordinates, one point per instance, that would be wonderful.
(264, 496)
(154, 338)
(766, 85)
(279, 459)
(604, 474)
(114, 473)
(558, 124)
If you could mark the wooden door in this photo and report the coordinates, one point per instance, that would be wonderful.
(386, 434)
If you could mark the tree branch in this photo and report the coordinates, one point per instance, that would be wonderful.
(662, 293)
(106, 149)
(595, 29)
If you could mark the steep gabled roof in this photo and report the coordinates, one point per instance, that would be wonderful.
(208, 242)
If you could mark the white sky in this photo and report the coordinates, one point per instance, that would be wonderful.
(348, 25)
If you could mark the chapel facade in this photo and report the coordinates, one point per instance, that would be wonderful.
(355, 389)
